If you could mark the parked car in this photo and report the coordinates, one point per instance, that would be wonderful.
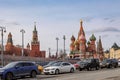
(17, 69)
(77, 64)
(40, 68)
(109, 63)
(118, 63)
(59, 67)
(89, 64)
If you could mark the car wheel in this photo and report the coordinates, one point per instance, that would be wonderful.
(9, 76)
(116, 66)
(88, 69)
(71, 70)
(56, 71)
(97, 67)
(110, 66)
(33, 74)
(80, 69)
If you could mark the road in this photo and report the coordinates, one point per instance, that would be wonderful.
(103, 74)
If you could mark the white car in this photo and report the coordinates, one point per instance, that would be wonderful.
(59, 67)
(118, 63)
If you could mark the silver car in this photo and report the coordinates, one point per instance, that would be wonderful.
(59, 67)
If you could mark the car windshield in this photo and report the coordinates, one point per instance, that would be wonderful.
(87, 60)
(108, 60)
(10, 65)
(79, 62)
(56, 64)
(50, 63)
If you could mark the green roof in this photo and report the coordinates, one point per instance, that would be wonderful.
(92, 38)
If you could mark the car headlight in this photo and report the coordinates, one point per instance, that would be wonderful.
(2, 70)
(107, 63)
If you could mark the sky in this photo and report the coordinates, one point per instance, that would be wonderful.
(55, 18)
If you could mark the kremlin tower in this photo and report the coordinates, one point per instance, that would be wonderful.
(35, 44)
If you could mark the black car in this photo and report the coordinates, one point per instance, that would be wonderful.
(109, 63)
(89, 64)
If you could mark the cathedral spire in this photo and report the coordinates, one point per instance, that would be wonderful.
(81, 22)
(100, 43)
(81, 31)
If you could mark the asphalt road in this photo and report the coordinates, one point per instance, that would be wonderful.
(103, 74)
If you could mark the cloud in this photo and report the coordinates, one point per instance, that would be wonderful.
(104, 36)
(117, 35)
(87, 19)
(13, 23)
(112, 20)
(3, 21)
(109, 19)
(107, 29)
(106, 18)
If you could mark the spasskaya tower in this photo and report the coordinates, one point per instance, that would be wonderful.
(35, 44)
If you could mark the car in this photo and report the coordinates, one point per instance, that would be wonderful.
(19, 69)
(109, 63)
(118, 63)
(59, 67)
(89, 64)
(40, 67)
(77, 64)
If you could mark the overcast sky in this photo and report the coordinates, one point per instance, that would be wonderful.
(55, 18)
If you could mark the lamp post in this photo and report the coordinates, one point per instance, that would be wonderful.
(57, 47)
(64, 38)
(23, 31)
(3, 29)
(49, 52)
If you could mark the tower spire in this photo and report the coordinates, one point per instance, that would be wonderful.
(35, 36)
(34, 26)
(81, 31)
(100, 43)
(81, 23)
(9, 41)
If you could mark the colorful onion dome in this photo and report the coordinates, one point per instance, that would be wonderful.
(92, 38)
(73, 38)
(88, 42)
(76, 43)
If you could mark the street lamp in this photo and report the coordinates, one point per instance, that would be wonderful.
(64, 38)
(57, 47)
(23, 31)
(3, 29)
(49, 52)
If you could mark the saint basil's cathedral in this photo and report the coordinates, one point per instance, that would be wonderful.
(78, 47)
(32, 51)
